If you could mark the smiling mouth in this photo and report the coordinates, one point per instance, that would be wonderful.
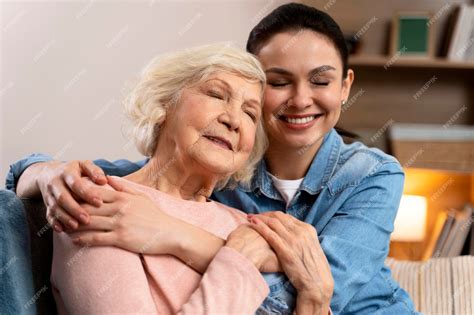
(298, 120)
(219, 141)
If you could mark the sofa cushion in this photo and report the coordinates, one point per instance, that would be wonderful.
(439, 285)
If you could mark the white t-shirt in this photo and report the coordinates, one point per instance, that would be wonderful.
(286, 187)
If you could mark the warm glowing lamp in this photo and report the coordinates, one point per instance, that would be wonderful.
(410, 222)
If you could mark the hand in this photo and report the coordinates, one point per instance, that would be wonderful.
(128, 219)
(61, 184)
(300, 254)
(249, 243)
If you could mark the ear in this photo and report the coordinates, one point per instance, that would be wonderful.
(346, 85)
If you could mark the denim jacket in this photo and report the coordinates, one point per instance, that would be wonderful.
(350, 194)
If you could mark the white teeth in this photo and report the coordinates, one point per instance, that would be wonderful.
(300, 120)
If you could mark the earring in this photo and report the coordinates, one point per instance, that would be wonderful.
(344, 102)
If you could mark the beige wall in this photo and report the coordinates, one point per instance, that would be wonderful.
(65, 64)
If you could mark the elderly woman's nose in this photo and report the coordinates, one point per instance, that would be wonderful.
(230, 119)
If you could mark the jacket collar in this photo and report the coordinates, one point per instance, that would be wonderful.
(320, 171)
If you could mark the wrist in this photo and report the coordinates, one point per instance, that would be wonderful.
(182, 240)
(28, 185)
(311, 304)
(195, 246)
(238, 245)
(41, 169)
(316, 297)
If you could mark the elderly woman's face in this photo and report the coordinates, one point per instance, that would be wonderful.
(213, 126)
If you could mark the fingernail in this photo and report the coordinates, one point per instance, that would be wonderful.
(57, 227)
(84, 218)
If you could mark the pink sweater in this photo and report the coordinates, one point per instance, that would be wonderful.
(110, 280)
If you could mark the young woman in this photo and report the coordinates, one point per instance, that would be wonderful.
(349, 193)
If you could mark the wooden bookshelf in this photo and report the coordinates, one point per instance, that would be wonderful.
(405, 62)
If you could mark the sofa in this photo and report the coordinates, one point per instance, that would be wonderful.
(41, 240)
(437, 286)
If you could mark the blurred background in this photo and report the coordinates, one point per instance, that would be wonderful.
(65, 66)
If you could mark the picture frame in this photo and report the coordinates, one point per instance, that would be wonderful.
(412, 35)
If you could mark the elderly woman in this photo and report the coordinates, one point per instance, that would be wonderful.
(197, 114)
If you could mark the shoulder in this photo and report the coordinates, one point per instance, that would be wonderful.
(358, 162)
(361, 158)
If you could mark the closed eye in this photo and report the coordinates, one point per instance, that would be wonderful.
(251, 115)
(320, 83)
(278, 84)
(215, 95)
(319, 80)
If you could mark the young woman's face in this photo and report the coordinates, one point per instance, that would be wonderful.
(305, 88)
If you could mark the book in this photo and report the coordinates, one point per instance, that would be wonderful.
(438, 250)
(461, 38)
(435, 236)
(458, 233)
(449, 31)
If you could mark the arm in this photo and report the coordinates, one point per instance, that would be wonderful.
(38, 175)
(231, 285)
(17, 169)
(197, 247)
(111, 280)
(190, 244)
(117, 168)
(302, 258)
(105, 280)
(357, 254)
(129, 219)
(27, 184)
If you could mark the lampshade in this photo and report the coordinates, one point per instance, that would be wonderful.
(410, 222)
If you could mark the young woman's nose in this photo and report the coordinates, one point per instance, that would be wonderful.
(302, 96)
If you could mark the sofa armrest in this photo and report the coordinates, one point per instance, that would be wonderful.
(41, 240)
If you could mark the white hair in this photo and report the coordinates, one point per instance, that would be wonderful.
(159, 88)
